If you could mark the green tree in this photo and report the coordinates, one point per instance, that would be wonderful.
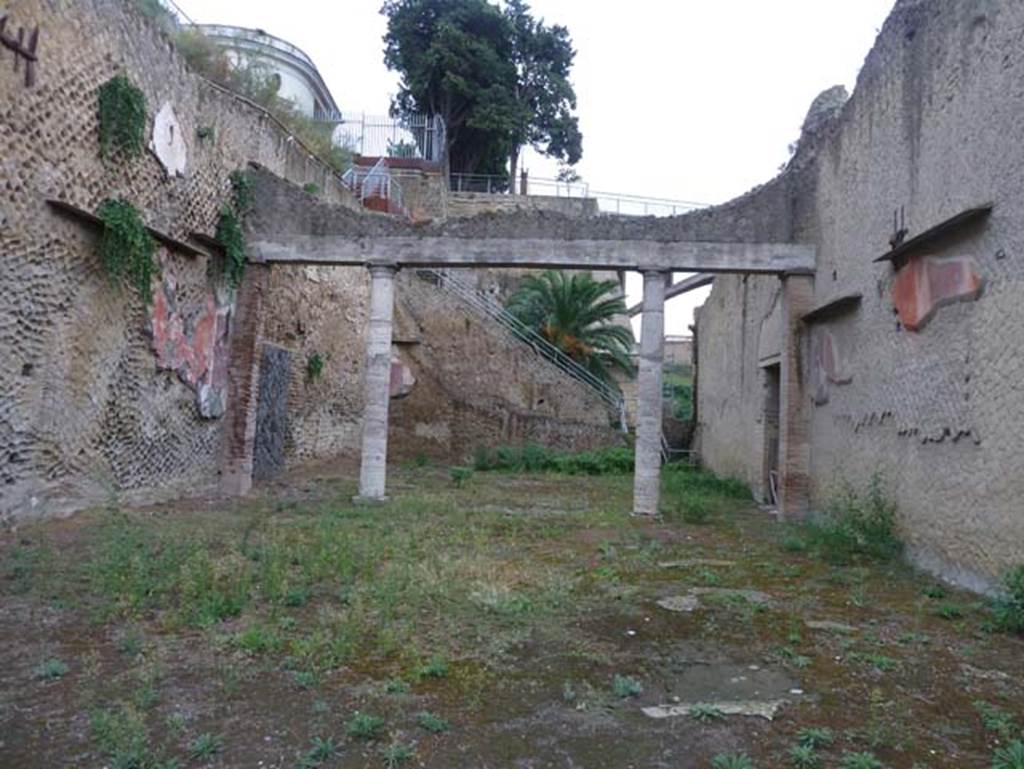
(455, 60)
(499, 79)
(577, 314)
(544, 97)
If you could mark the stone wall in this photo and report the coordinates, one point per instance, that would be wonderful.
(463, 204)
(478, 386)
(100, 395)
(916, 378)
(678, 350)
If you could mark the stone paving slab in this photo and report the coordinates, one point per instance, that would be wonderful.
(760, 709)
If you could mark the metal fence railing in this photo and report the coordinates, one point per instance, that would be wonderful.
(413, 136)
(495, 185)
(607, 202)
(376, 182)
(491, 309)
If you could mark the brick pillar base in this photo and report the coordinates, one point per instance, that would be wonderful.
(794, 421)
(243, 382)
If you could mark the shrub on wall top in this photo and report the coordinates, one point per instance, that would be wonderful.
(122, 113)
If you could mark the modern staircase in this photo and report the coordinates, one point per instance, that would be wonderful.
(485, 306)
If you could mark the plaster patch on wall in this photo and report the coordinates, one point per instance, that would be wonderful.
(168, 142)
(769, 341)
(196, 348)
(436, 431)
(827, 365)
(926, 283)
(402, 379)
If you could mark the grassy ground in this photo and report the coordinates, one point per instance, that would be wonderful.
(484, 620)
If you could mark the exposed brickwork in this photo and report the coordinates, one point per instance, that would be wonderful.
(243, 383)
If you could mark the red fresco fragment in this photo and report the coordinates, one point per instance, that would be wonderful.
(926, 283)
(402, 379)
(199, 359)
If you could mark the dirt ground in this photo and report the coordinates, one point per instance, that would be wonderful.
(495, 621)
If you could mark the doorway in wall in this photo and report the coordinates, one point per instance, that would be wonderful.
(772, 401)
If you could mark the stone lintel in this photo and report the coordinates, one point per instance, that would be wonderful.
(556, 253)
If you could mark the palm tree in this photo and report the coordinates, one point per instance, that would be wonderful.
(577, 315)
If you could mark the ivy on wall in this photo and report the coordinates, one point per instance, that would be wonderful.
(314, 366)
(127, 248)
(122, 114)
(229, 226)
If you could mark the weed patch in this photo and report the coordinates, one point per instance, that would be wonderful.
(533, 458)
(626, 686)
(1009, 757)
(1009, 610)
(432, 722)
(855, 526)
(50, 670)
(365, 726)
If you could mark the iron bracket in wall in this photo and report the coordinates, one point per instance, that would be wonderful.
(936, 233)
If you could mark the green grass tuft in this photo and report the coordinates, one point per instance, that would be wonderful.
(436, 667)
(705, 713)
(996, 720)
(856, 525)
(860, 761)
(816, 737)
(732, 761)
(626, 686)
(432, 722)
(396, 754)
(1009, 610)
(205, 746)
(533, 458)
(364, 726)
(1009, 757)
(804, 757)
(50, 670)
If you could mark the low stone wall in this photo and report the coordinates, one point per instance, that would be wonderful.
(465, 204)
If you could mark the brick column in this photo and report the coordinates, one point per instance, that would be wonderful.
(243, 381)
(647, 467)
(377, 387)
(794, 402)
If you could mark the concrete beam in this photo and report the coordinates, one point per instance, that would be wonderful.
(377, 389)
(647, 462)
(540, 253)
(678, 288)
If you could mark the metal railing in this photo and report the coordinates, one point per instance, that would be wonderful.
(486, 306)
(607, 202)
(493, 184)
(420, 137)
(375, 182)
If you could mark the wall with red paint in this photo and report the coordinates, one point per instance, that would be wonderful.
(919, 385)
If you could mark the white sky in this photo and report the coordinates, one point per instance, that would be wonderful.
(682, 99)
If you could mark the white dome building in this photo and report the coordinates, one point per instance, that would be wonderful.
(299, 79)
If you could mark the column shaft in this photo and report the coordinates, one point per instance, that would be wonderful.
(377, 388)
(647, 472)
